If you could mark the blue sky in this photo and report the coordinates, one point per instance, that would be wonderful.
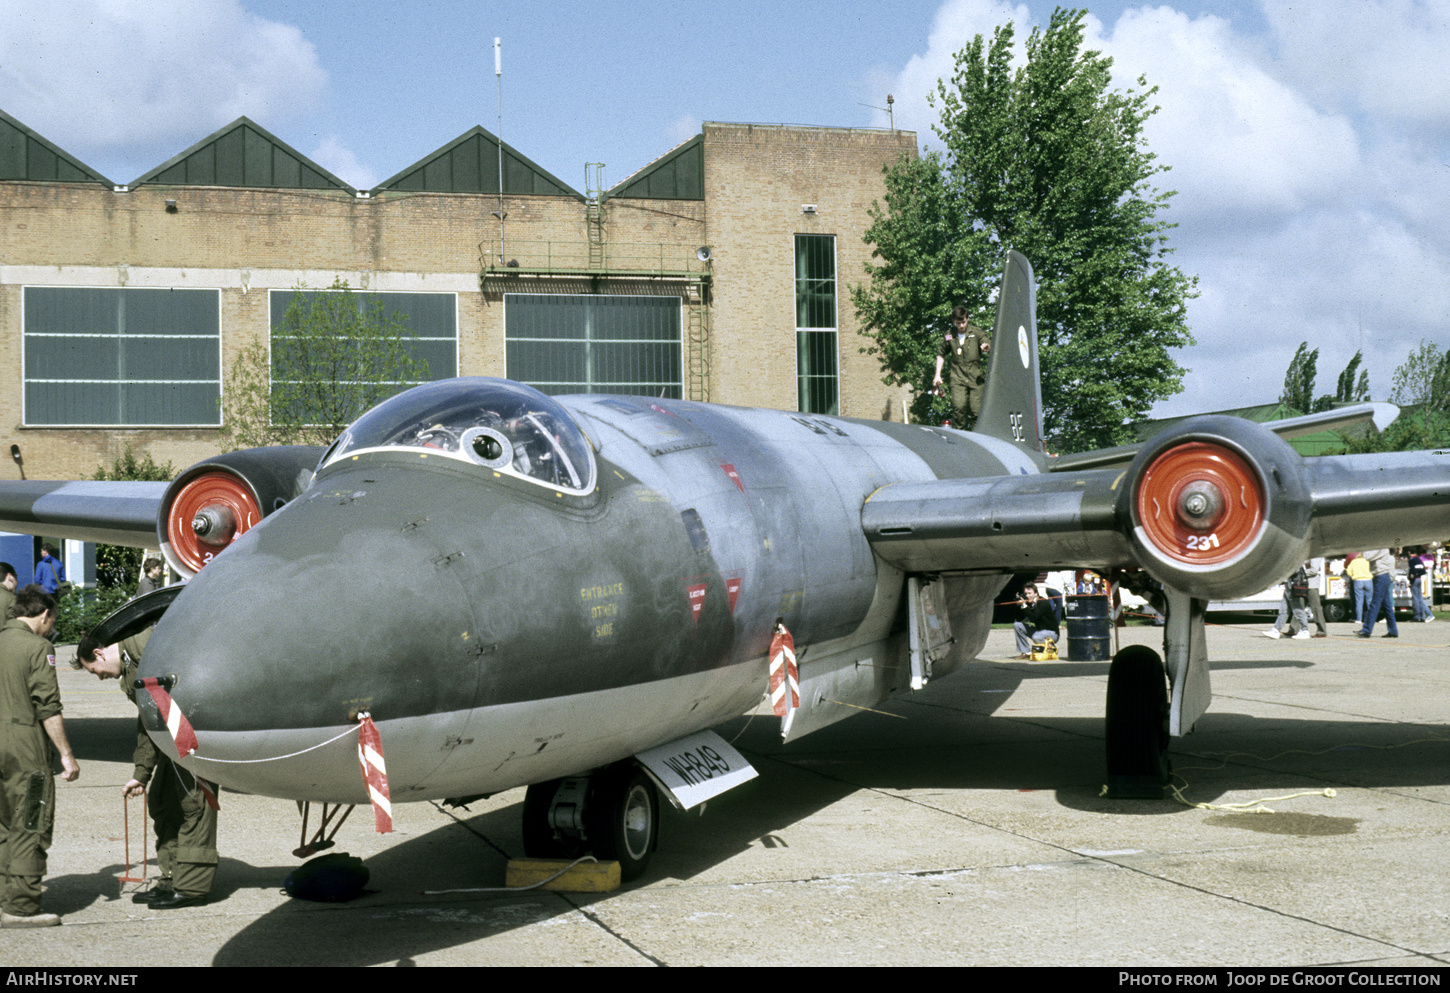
(1308, 141)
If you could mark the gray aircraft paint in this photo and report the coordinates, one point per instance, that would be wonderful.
(503, 632)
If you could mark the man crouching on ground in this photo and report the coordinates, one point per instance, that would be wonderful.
(1038, 622)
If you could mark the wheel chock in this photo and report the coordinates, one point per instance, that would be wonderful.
(586, 877)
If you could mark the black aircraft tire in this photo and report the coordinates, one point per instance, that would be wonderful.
(1137, 724)
(539, 840)
(624, 818)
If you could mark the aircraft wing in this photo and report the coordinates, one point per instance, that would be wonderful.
(111, 512)
(1217, 507)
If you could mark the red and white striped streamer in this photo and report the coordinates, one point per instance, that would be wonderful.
(785, 690)
(176, 724)
(375, 773)
(208, 792)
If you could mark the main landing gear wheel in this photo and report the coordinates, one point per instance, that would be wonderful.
(1137, 725)
(624, 818)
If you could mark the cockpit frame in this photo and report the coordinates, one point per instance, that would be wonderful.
(492, 423)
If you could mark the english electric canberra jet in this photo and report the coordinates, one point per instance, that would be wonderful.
(504, 589)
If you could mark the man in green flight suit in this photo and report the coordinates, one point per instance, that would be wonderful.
(30, 713)
(185, 820)
(961, 354)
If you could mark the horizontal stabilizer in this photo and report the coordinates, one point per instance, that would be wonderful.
(1338, 419)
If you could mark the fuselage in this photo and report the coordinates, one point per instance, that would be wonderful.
(502, 630)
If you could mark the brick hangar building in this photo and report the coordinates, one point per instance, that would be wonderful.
(718, 272)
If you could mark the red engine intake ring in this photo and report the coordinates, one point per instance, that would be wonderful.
(1200, 503)
(225, 506)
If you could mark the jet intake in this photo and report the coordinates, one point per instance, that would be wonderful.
(214, 502)
(1218, 507)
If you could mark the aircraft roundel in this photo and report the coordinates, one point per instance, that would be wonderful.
(1022, 347)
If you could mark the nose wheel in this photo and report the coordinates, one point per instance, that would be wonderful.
(1137, 724)
(614, 814)
(625, 818)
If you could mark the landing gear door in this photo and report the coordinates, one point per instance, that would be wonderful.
(695, 768)
(931, 633)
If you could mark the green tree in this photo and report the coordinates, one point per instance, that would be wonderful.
(1299, 383)
(1050, 160)
(1423, 379)
(1350, 390)
(333, 356)
(116, 565)
(1421, 387)
(1299, 380)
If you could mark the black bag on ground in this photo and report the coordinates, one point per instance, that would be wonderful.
(332, 878)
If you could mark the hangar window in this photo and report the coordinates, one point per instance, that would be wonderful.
(425, 327)
(817, 383)
(561, 343)
(118, 355)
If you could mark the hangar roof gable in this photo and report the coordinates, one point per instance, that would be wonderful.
(243, 153)
(469, 164)
(679, 174)
(25, 155)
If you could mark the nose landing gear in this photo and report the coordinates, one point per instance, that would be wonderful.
(612, 813)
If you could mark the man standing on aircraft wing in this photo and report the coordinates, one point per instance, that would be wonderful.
(30, 712)
(962, 354)
(185, 819)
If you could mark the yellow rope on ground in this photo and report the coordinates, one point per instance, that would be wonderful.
(1257, 806)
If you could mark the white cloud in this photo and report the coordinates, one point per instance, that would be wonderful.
(682, 129)
(953, 28)
(340, 160)
(1383, 56)
(108, 76)
(1237, 140)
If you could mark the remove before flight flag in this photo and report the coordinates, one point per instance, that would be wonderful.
(785, 690)
(375, 773)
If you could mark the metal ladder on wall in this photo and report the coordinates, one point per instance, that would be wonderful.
(697, 344)
(594, 212)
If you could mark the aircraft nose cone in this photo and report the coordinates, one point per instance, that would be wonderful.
(338, 603)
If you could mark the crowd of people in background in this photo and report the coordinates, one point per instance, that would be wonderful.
(1371, 578)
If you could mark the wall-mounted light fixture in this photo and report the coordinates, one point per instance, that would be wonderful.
(15, 454)
(171, 206)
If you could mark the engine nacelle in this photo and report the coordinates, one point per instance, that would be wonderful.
(1219, 507)
(218, 500)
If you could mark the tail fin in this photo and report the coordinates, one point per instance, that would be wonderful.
(1012, 396)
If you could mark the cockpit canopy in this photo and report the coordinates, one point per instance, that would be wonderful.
(496, 423)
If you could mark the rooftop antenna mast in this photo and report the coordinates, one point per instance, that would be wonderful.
(498, 76)
(890, 108)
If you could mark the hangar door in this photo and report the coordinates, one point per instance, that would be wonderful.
(563, 343)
